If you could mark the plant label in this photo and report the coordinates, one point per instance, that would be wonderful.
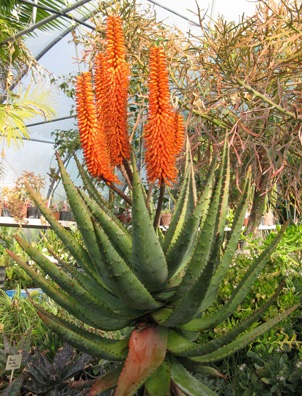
(13, 362)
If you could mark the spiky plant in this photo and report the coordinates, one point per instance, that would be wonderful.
(157, 288)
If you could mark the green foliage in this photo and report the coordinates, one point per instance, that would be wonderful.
(18, 315)
(270, 374)
(20, 108)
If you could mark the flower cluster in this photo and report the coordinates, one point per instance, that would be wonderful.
(102, 113)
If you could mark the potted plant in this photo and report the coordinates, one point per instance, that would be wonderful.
(15, 203)
(65, 212)
(16, 200)
(2, 275)
(37, 183)
(4, 203)
(124, 215)
(165, 217)
(53, 206)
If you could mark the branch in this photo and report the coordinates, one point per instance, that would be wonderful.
(265, 99)
(120, 193)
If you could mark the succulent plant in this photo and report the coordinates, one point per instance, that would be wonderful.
(156, 287)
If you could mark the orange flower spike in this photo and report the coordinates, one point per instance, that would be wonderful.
(117, 91)
(92, 137)
(179, 132)
(100, 84)
(159, 131)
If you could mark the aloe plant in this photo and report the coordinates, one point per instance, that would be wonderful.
(157, 288)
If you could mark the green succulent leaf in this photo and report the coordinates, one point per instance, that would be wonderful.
(181, 250)
(100, 319)
(229, 250)
(158, 384)
(115, 231)
(72, 244)
(91, 286)
(182, 346)
(85, 225)
(243, 340)
(93, 192)
(62, 279)
(124, 282)
(148, 259)
(200, 268)
(239, 293)
(187, 382)
(184, 206)
(94, 345)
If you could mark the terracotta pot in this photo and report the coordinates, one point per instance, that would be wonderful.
(268, 219)
(57, 215)
(165, 219)
(125, 218)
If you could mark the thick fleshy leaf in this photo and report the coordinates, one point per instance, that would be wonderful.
(239, 293)
(187, 382)
(84, 222)
(243, 340)
(115, 231)
(147, 351)
(105, 383)
(184, 206)
(180, 251)
(125, 283)
(90, 186)
(91, 285)
(62, 279)
(201, 266)
(72, 244)
(98, 318)
(148, 259)
(158, 384)
(93, 344)
(181, 345)
(229, 250)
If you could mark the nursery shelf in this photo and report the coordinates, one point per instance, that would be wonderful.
(43, 224)
(31, 223)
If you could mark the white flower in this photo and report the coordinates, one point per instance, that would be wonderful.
(280, 378)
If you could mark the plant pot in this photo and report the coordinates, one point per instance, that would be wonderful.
(33, 212)
(125, 218)
(268, 219)
(165, 219)
(2, 276)
(66, 215)
(5, 212)
(56, 215)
